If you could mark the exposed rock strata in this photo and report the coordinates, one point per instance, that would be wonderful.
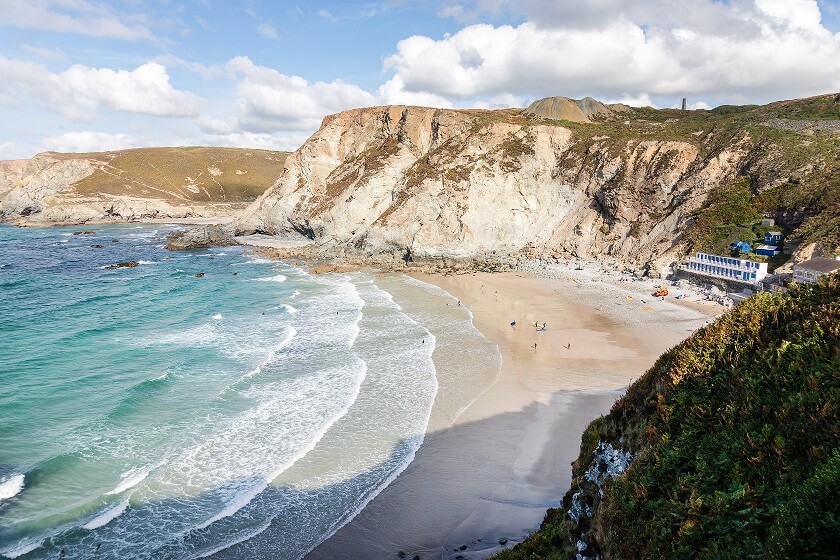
(404, 184)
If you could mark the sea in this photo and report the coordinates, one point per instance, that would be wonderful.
(210, 402)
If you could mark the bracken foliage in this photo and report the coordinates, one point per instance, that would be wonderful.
(736, 433)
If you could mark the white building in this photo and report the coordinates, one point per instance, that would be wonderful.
(811, 270)
(727, 268)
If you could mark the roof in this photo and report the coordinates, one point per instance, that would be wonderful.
(820, 264)
(768, 247)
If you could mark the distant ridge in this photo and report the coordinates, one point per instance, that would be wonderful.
(574, 110)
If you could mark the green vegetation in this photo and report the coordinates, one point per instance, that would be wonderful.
(727, 216)
(736, 439)
(182, 175)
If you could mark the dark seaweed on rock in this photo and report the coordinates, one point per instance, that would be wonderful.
(734, 437)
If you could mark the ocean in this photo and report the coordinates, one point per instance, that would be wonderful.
(249, 411)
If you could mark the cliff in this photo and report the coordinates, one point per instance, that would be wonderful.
(130, 185)
(394, 184)
(728, 447)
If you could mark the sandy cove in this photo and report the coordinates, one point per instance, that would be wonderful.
(488, 477)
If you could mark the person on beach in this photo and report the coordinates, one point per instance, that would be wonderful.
(513, 323)
(535, 346)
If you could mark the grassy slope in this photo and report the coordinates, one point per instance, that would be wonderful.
(737, 436)
(182, 175)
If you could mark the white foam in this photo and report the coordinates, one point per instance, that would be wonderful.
(290, 309)
(257, 260)
(290, 333)
(23, 547)
(238, 540)
(132, 477)
(217, 317)
(10, 486)
(107, 515)
(146, 262)
(277, 278)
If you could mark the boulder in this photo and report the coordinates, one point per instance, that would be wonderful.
(125, 264)
(201, 237)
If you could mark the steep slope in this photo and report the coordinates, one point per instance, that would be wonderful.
(386, 184)
(728, 447)
(134, 184)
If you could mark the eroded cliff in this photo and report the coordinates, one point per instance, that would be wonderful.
(390, 184)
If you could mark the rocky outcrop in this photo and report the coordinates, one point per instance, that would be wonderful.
(404, 184)
(201, 237)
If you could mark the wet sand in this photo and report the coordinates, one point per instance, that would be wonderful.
(490, 475)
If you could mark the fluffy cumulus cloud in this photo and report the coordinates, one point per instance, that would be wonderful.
(757, 49)
(80, 91)
(270, 101)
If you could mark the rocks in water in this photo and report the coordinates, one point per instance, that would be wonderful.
(503, 541)
(199, 275)
(96, 246)
(86, 232)
(202, 237)
(462, 547)
(125, 264)
(401, 553)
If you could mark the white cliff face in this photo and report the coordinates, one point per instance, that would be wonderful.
(394, 183)
(43, 178)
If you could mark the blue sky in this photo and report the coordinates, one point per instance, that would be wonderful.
(85, 75)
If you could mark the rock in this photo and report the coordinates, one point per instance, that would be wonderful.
(462, 547)
(405, 187)
(86, 232)
(416, 557)
(199, 275)
(401, 554)
(503, 541)
(201, 237)
(125, 264)
(96, 246)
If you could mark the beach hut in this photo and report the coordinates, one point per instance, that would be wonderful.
(772, 237)
(741, 247)
(767, 250)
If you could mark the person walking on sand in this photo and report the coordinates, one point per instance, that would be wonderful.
(535, 346)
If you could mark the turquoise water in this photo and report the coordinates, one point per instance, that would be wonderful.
(147, 413)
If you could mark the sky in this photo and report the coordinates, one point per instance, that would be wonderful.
(85, 75)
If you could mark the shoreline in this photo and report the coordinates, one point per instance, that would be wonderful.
(484, 481)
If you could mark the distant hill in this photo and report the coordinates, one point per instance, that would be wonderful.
(138, 183)
(574, 110)
(733, 443)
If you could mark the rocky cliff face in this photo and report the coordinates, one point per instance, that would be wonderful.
(131, 185)
(410, 183)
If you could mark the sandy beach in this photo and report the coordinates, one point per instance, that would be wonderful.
(488, 477)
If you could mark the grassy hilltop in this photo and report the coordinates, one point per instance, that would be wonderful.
(176, 175)
(735, 443)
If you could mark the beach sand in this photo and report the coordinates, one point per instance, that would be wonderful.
(489, 476)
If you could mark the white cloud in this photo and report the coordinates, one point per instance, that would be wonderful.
(71, 16)
(145, 89)
(87, 141)
(638, 100)
(267, 31)
(80, 90)
(270, 101)
(744, 49)
(393, 92)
